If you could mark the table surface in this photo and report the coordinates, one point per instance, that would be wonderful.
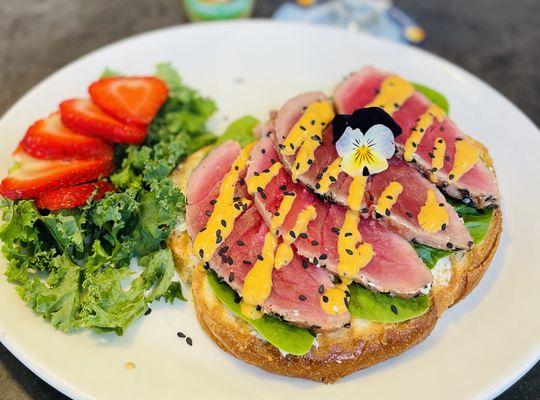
(496, 40)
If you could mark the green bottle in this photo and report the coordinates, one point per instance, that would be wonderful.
(210, 10)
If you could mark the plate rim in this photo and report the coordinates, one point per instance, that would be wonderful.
(71, 390)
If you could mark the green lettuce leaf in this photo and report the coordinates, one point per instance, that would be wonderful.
(286, 337)
(433, 95)
(476, 221)
(240, 130)
(430, 255)
(379, 307)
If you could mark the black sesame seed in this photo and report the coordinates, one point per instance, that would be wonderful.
(180, 335)
(302, 297)
(312, 122)
(441, 204)
(451, 176)
(321, 289)
(440, 140)
(283, 187)
(325, 299)
(314, 243)
(263, 195)
(471, 243)
(310, 161)
(365, 210)
(347, 234)
(260, 258)
(277, 214)
(317, 185)
(293, 235)
(247, 262)
(434, 169)
(323, 256)
(272, 161)
(219, 239)
(332, 179)
(223, 223)
(213, 202)
(389, 197)
(237, 206)
(281, 146)
(315, 261)
(303, 127)
(335, 230)
(236, 167)
(304, 264)
(240, 243)
(387, 212)
(349, 252)
(297, 166)
(189, 341)
(449, 245)
(443, 227)
(394, 309)
(256, 173)
(263, 151)
(148, 311)
(208, 213)
(347, 325)
(203, 229)
(371, 197)
(303, 235)
(201, 253)
(230, 261)
(231, 277)
(218, 232)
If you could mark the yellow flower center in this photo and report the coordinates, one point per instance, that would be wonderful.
(364, 155)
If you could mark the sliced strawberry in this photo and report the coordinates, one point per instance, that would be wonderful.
(84, 117)
(73, 196)
(134, 100)
(49, 138)
(33, 176)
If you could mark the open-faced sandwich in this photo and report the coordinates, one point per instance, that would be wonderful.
(337, 238)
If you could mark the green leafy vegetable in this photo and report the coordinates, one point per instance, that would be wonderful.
(430, 255)
(73, 266)
(240, 130)
(379, 307)
(476, 221)
(433, 95)
(286, 337)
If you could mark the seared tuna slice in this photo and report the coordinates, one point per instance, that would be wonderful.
(395, 267)
(424, 127)
(295, 294)
(403, 214)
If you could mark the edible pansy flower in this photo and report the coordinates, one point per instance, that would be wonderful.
(365, 140)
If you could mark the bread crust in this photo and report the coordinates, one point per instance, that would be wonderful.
(347, 350)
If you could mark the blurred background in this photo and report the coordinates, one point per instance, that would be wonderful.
(497, 40)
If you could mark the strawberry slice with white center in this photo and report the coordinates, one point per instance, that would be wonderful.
(48, 138)
(32, 176)
(133, 100)
(84, 117)
(73, 196)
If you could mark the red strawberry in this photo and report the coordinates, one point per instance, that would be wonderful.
(32, 176)
(73, 196)
(49, 138)
(134, 100)
(83, 116)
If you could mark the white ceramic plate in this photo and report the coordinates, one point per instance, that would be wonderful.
(479, 348)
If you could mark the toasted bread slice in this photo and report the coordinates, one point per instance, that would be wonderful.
(337, 354)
